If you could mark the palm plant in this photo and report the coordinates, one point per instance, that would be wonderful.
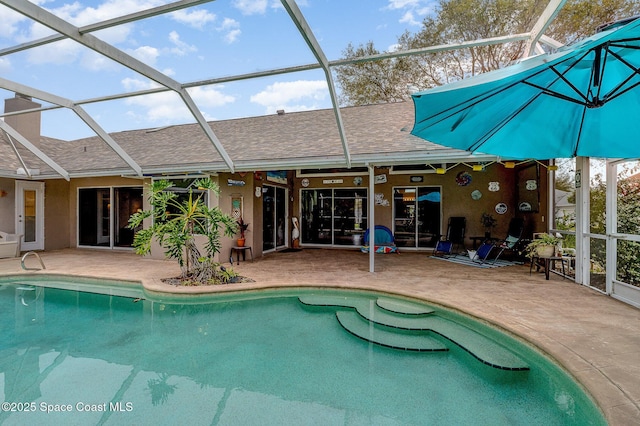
(176, 223)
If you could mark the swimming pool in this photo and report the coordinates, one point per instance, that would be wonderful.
(271, 357)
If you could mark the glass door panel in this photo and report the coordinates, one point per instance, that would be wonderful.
(417, 216)
(128, 201)
(281, 217)
(334, 216)
(29, 216)
(349, 214)
(316, 221)
(274, 217)
(93, 216)
(428, 223)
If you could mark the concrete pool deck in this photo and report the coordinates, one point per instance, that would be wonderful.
(595, 337)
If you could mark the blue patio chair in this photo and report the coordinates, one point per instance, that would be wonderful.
(443, 248)
(483, 252)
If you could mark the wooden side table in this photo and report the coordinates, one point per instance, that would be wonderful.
(238, 249)
(546, 263)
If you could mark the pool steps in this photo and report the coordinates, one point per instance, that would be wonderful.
(410, 326)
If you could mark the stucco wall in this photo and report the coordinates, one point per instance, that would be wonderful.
(56, 214)
(7, 205)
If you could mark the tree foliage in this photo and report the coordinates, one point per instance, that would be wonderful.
(457, 21)
(176, 223)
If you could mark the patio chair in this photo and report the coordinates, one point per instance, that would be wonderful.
(456, 230)
(383, 240)
(514, 235)
(483, 252)
(443, 248)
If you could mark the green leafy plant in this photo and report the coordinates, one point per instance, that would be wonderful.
(242, 227)
(488, 221)
(543, 240)
(175, 225)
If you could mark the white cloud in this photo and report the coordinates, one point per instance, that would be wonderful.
(5, 65)
(168, 107)
(408, 18)
(146, 54)
(251, 7)
(292, 96)
(413, 10)
(180, 47)
(403, 4)
(60, 52)
(231, 28)
(9, 21)
(196, 18)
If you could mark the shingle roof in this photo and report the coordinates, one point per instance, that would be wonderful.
(375, 133)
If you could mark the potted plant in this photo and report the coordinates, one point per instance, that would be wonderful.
(543, 246)
(488, 222)
(242, 227)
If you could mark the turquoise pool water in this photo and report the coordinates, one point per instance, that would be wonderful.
(71, 357)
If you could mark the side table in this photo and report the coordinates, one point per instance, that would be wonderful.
(238, 249)
(546, 263)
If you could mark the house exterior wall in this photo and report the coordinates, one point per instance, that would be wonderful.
(7, 205)
(57, 214)
(456, 199)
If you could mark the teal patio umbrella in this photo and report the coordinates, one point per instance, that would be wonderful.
(582, 100)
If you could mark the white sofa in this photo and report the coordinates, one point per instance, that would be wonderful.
(9, 245)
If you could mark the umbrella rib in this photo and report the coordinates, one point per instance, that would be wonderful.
(575, 147)
(549, 92)
(612, 94)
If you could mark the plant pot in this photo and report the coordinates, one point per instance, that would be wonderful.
(545, 250)
(240, 242)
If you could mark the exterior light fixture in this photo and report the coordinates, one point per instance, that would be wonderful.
(441, 171)
(477, 167)
(552, 167)
(509, 165)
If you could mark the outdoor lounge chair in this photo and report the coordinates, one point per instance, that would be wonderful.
(383, 240)
(483, 252)
(455, 236)
(443, 248)
(514, 235)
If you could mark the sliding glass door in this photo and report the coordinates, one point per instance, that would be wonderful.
(416, 216)
(334, 216)
(274, 217)
(103, 215)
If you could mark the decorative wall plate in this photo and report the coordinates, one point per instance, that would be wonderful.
(463, 178)
(494, 186)
(357, 181)
(305, 182)
(476, 195)
(501, 208)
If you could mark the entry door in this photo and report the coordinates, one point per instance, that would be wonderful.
(30, 214)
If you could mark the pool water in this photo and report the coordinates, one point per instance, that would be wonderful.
(263, 358)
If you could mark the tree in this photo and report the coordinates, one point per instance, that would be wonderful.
(175, 225)
(456, 21)
(581, 18)
(386, 81)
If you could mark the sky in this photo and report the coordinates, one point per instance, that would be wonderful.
(213, 40)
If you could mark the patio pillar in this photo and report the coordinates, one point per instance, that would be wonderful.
(372, 220)
(583, 249)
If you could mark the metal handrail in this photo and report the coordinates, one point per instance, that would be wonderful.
(24, 256)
